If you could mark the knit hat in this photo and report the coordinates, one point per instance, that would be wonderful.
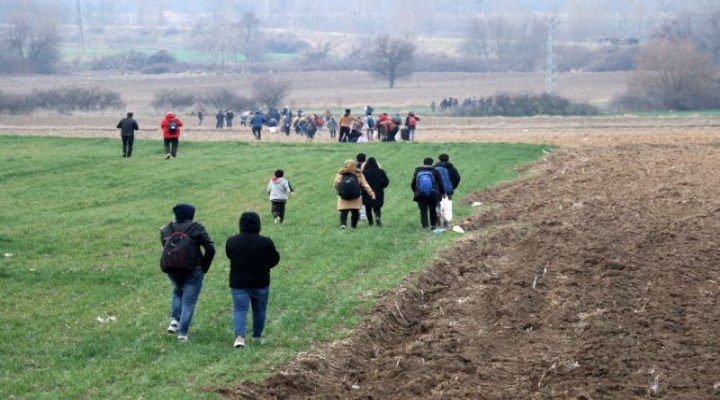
(184, 212)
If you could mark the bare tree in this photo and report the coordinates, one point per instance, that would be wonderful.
(270, 92)
(32, 36)
(674, 75)
(249, 27)
(392, 58)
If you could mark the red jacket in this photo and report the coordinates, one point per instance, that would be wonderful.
(165, 124)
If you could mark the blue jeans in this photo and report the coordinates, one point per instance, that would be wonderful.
(185, 293)
(411, 133)
(257, 298)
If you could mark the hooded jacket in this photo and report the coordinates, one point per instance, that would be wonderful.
(165, 124)
(278, 189)
(378, 181)
(251, 255)
(350, 167)
(184, 214)
(436, 180)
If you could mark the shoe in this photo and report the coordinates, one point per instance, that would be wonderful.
(258, 340)
(182, 338)
(174, 325)
(168, 156)
(277, 220)
(239, 342)
(342, 226)
(379, 224)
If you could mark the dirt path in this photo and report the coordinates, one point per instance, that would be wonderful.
(595, 277)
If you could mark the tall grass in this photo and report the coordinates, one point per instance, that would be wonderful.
(79, 243)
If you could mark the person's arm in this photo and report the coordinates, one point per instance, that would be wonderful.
(208, 247)
(119, 125)
(179, 123)
(135, 126)
(272, 255)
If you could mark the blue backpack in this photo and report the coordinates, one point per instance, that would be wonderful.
(447, 185)
(425, 184)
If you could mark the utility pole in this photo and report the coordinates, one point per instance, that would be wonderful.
(79, 22)
(551, 68)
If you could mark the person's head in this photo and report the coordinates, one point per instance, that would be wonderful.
(350, 165)
(444, 157)
(170, 115)
(184, 212)
(249, 222)
(361, 157)
(411, 113)
(347, 111)
(279, 173)
(371, 163)
(130, 115)
(428, 161)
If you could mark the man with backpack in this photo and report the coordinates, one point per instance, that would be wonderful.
(185, 265)
(170, 126)
(427, 192)
(410, 124)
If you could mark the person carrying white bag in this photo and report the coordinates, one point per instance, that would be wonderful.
(450, 180)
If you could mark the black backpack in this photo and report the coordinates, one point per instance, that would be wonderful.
(349, 187)
(180, 254)
(172, 127)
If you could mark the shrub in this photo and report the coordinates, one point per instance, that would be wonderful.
(64, 100)
(504, 104)
(223, 98)
(173, 98)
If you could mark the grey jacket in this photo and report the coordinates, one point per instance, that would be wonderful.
(279, 189)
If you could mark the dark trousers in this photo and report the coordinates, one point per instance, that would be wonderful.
(171, 146)
(256, 130)
(354, 217)
(344, 133)
(370, 210)
(278, 209)
(127, 142)
(428, 208)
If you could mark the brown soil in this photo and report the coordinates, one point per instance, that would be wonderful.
(595, 277)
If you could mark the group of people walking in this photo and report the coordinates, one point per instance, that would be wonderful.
(360, 185)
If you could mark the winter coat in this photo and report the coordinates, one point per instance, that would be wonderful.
(353, 204)
(436, 183)
(127, 126)
(165, 123)
(251, 255)
(200, 237)
(257, 121)
(278, 189)
(378, 181)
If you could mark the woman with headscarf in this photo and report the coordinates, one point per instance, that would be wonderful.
(378, 181)
(350, 183)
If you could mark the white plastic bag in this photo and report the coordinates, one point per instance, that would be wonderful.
(446, 211)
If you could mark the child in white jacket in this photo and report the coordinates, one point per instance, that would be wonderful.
(279, 189)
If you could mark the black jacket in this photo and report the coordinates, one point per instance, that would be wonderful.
(378, 181)
(199, 236)
(251, 255)
(127, 126)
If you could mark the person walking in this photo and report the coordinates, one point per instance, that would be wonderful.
(127, 127)
(201, 117)
(251, 256)
(170, 126)
(426, 193)
(256, 123)
(229, 116)
(410, 124)
(219, 119)
(454, 174)
(186, 287)
(349, 183)
(279, 189)
(347, 121)
(378, 181)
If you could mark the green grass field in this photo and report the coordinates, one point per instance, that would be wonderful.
(80, 242)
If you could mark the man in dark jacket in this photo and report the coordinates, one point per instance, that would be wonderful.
(454, 174)
(127, 127)
(251, 258)
(427, 200)
(186, 288)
